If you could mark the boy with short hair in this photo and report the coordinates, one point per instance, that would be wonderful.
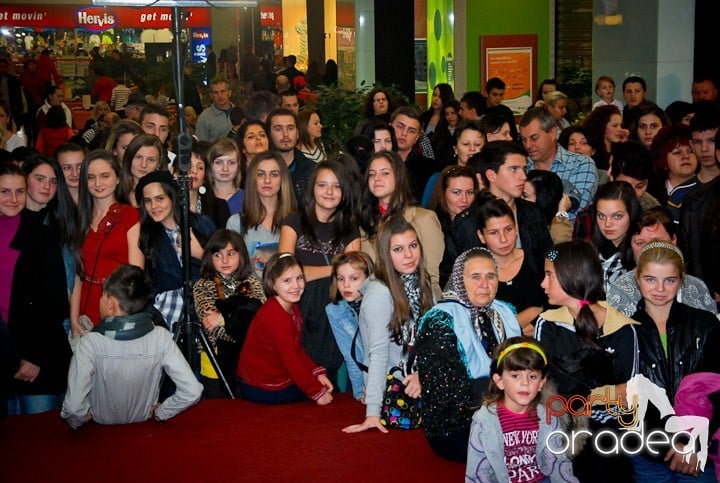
(115, 373)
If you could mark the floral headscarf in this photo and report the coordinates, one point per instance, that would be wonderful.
(484, 319)
(455, 287)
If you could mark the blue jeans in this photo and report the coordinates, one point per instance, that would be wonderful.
(283, 396)
(344, 325)
(647, 470)
(33, 404)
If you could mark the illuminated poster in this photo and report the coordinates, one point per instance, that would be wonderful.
(514, 67)
(440, 44)
(512, 58)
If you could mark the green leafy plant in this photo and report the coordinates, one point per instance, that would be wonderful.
(575, 78)
(341, 109)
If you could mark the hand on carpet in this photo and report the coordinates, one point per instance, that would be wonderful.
(325, 399)
(369, 423)
(412, 385)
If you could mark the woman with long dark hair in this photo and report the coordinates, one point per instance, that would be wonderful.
(519, 275)
(108, 231)
(310, 142)
(386, 193)
(605, 124)
(591, 347)
(36, 286)
(161, 241)
(433, 119)
(325, 227)
(252, 138)
(269, 199)
(454, 192)
(144, 154)
(616, 209)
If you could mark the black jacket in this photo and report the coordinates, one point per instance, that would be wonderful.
(420, 169)
(301, 170)
(533, 231)
(698, 235)
(693, 339)
(39, 304)
(16, 99)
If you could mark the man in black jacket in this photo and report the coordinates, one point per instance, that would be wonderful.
(698, 235)
(501, 168)
(284, 138)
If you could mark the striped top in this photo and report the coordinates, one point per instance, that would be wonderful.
(520, 432)
(120, 96)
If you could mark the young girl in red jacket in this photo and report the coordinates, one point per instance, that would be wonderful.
(273, 367)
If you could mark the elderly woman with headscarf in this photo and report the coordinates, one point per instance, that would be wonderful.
(454, 350)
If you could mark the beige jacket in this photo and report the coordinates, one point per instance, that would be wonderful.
(431, 237)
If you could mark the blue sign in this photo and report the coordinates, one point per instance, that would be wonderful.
(199, 40)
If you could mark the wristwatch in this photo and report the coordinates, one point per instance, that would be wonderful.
(562, 214)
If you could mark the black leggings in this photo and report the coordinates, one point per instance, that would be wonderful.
(452, 446)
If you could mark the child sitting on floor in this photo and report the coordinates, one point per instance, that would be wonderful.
(273, 367)
(114, 376)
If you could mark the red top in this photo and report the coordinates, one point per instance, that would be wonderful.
(520, 432)
(273, 358)
(47, 71)
(113, 252)
(102, 89)
(51, 138)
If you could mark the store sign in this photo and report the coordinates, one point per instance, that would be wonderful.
(17, 16)
(199, 41)
(271, 16)
(95, 19)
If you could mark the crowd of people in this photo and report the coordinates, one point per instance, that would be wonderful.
(494, 263)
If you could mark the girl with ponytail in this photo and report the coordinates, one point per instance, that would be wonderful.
(592, 348)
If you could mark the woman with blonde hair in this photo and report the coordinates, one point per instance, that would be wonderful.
(674, 341)
(556, 103)
(190, 120)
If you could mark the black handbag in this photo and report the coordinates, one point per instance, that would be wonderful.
(398, 410)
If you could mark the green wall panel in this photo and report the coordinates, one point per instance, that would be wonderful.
(492, 17)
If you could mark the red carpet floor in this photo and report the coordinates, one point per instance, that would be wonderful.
(221, 440)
